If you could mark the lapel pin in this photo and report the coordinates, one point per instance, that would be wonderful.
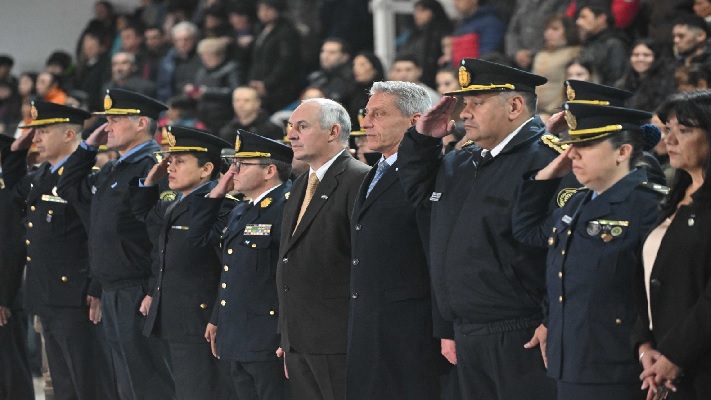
(323, 196)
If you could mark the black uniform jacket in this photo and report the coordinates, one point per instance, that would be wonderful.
(12, 249)
(593, 248)
(680, 288)
(119, 245)
(479, 272)
(247, 308)
(57, 255)
(313, 274)
(188, 271)
(391, 349)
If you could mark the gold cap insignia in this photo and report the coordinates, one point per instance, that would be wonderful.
(238, 143)
(266, 202)
(107, 101)
(361, 117)
(570, 92)
(33, 111)
(465, 77)
(171, 138)
(570, 119)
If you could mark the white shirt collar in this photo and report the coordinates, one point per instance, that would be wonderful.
(499, 147)
(263, 195)
(390, 160)
(321, 172)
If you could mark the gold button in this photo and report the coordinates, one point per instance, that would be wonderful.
(223, 303)
(254, 245)
(50, 212)
(33, 208)
(29, 224)
(224, 286)
(560, 299)
(203, 306)
(28, 258)
(551, 241)
(227, 268)
(570, 232)
(560, 274)
(65, 279)
(229, 251)
(555, 230)
(271, 312)
(618, 321)
(562, 252)
(27, 242)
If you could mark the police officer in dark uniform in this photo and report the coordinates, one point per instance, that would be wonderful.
(57, 279)
(594, 243)
(189, 271)
(244, 323)
(485, 282)
(15, 376)
(119, 244)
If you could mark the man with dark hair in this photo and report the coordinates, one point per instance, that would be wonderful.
(57, 279)
(486, 283)
(119, 245)
(156, 49)
(602, 46)
(188, 271)
(249, 116)
(49, 88)
(335, 77)
(124, 75)
(132, 42)
(406, 68)
(689, 34)
(6, 64)
(243, 328)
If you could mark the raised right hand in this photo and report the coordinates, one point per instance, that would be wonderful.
(225, 184)
(558, 168)
(435, 122)
(157, 173)
(24, 141)
(98, 137)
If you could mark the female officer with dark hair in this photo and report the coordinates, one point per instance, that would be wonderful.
(594, 241)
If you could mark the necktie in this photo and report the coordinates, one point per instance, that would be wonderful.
(486, 156)
(310, 190)
(382, 167)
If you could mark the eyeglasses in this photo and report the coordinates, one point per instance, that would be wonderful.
(239, 164)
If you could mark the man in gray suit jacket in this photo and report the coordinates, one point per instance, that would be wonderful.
(313, 273)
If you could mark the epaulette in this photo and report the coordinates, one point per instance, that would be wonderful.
(168, 195)
(553, 142)
(655, 187)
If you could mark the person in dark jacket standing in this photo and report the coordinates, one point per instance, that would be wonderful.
(57, 279)
(15, 376)
(119, 244)
(602, 47)
(243, 329)
(186, 284)
(485, 282)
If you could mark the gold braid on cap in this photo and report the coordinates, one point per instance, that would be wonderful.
(602, 129)
(593, 102)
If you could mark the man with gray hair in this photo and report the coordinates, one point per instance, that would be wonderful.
(391, 347)
(179, 67)
(313, 273)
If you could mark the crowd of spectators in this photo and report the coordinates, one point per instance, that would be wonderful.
(205, 57)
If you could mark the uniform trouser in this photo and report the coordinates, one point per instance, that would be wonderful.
(492, 363)
(316, 376)
(198, 374)
(78, 357)
(15, 376)
(141, 363)
(259, 380)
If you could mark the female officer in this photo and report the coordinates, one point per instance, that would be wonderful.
(594, 241)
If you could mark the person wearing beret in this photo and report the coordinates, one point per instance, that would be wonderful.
(243, 327)
(15, 376)
(57, 279)
(120, 247)
(594, 243)
(486, 284)
(188, 271)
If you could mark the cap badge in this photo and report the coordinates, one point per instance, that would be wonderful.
(465, 78)
(238, 143)
(266, 202)
(570, 119)
(108, 102)
(570, 92)
(171, 139)
(33, 111)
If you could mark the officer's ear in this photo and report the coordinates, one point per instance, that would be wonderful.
(206, 170)
(516, 105)
(414, 118)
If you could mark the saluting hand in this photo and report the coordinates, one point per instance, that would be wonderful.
(556, 123)
(24, 141)
(210, 334)
(99, 136)
(225, 184)
(5, 315)
(157, 173)
(435, 122)
(540, 337)
(558, 168)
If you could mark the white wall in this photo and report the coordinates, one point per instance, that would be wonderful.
(32, 29)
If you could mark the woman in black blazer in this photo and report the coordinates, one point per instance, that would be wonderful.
(673, 332)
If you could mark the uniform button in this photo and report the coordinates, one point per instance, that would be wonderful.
(271, 312)
(551, 241)
(570, 232)
(285, 260)
(224, 285)
(158, 288)
(229, 251)
(358, 227)
(254, 245)
(50, 212)
(65, 279)
(560, 274)
(203, 306)
(560, 299)
(227, 268)
(33, 208)
(562, 252)
(618, 321)
(27, 242)
(223, 303)
(29, 224)
(555, 230)
(162, 251)
(29, 259)
(655, 282)
(286, 288)
(355, 261)
(355, 295)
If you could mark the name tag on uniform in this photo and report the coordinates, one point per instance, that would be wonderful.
(258, 230)
(53, 199)
(435, 196)
(180, 227)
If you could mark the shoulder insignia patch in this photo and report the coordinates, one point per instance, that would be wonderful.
(266, 202)
(554, 143)
(655, 187)
(286, 195)
(168, 195)
(565, 195)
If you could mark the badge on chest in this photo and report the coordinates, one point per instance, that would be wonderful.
(606, 229)
(258, 230)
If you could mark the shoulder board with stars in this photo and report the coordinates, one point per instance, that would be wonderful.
(655, 187)
(553, 142)
(168, 195)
